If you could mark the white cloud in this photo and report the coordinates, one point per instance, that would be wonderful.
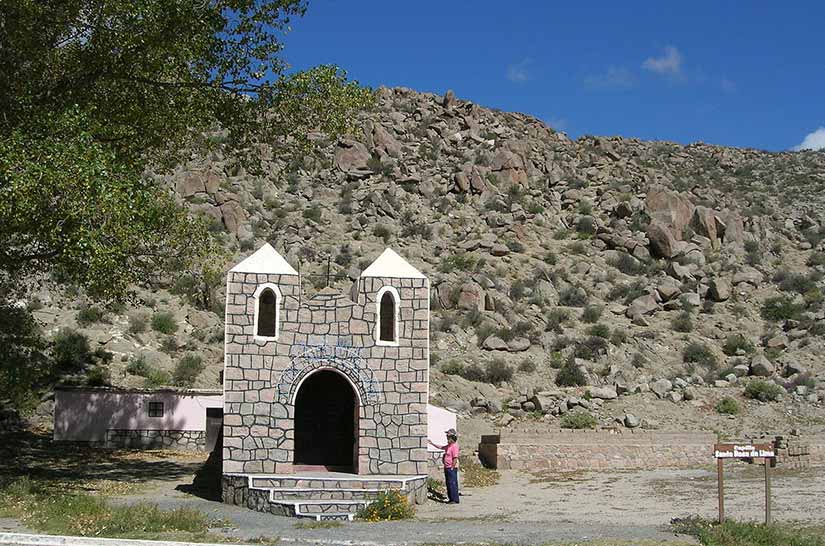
(669, 64)
(518, 72)
(616, 77)
(813, 141)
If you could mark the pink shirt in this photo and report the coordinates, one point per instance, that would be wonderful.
(450, 455)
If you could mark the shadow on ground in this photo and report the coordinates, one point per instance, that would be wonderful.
(34, 454)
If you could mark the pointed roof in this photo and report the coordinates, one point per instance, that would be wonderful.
(390, 264)
(265, 260)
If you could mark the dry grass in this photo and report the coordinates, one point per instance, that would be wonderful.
(475, 475)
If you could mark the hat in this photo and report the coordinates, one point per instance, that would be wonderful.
(452, 432)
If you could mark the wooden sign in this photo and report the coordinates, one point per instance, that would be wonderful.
(748, 451)
(743, 451)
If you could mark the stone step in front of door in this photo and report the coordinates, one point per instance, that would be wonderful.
(323, 494)
(334, 496)
(272, 482)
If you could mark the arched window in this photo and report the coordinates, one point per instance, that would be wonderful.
(267, 312)
(387, 316)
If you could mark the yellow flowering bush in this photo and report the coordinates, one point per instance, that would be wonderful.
(390, 505)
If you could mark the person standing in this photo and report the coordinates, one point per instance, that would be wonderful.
(451, 453)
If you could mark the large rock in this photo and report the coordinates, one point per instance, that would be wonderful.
(663, 244)
(707, 223)
(719, 289)
(669, 208)
(603, 393)
(494, 343)
(509, 168)
(761, 366)
(518, 345)
(233, 215)
(384, 142)
(643, 305)
(471, 297)
(661, 387)
(351, 156)
(631, 421)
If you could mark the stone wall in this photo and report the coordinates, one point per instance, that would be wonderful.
(329, 331)
(566, 451)
(799, 452)
(181, 440)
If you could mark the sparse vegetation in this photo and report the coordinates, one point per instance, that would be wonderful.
(570, 375)
(700, 354)
(164, 322)
(573, 296)
(738, 344)
(187, 370)
(578, 420)
(592, 313)
(764, 391)
(780, 308)
(388, 506)
(728, 406)
(683, 322)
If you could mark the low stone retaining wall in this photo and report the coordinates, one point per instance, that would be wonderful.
(799, 452)
(567, 451)
(182, 440)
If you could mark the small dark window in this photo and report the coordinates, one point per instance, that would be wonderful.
(387, 326)
(267, 307)
(155, 409)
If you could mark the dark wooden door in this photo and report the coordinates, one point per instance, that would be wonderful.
(325, 412)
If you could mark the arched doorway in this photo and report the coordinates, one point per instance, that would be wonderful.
(326, 413)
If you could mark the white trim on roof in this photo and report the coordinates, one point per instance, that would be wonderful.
(390, 264)
(265, 260)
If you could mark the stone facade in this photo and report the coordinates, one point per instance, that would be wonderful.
(328, 331)
(181, 440)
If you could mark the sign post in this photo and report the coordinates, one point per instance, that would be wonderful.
(748, 452)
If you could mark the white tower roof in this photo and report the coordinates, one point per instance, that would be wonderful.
(390, 264)
(265, 260)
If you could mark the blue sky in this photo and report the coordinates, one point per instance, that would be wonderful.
(748, 74)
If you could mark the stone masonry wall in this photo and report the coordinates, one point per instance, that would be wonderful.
(328, 331)
(566, 451)
(181, 440)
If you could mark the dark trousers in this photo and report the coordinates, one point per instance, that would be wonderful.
(451, 477)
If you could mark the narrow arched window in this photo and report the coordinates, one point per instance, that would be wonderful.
(387, 317)
(387, 307)
(268, 299)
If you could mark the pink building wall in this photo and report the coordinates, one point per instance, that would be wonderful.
(84, 415)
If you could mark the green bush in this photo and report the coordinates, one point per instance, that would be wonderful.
(586, 225)
(388, 506)
(728, 406)
(452, 367)
(313, 213)
(815, 259)
(187, 370)
(765, 391)
(169, 345)
(138, 366)
(382, 232)
(590, 348)
(572, 296)
(699, 353)
(796, 282)
(570, 375)
(592, 313)
(527, 366)
(618, 337)
(578, 420)
(555, 319)
(682, 322)
(457, 262)
(781, 308)
(89, 315)
(498, 371)
(99, 376)
(736, 342)
(627, 292)
(473, 372)
(550, 258)
(600, 330)
(157, 378)
(164, 322)
(137, 323)
(70, 350)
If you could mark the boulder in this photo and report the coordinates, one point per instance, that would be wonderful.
(190, 184)
(499, 250)
(662, 242)
(351, 156)
(518, 344)
(661, 387)
(761, 366)
(670, 208)
(494, 343)
(471, 297)
(543, 402)
(383, 141)
(674, 396)
(643, 305)
(748, 275)
(631, 421)
(668, 289)
(719, 290)
(706, 222)
(603, 393)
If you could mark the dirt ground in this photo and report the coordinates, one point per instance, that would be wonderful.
(522, 508)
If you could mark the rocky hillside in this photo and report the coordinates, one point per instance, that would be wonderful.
(625, 265)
